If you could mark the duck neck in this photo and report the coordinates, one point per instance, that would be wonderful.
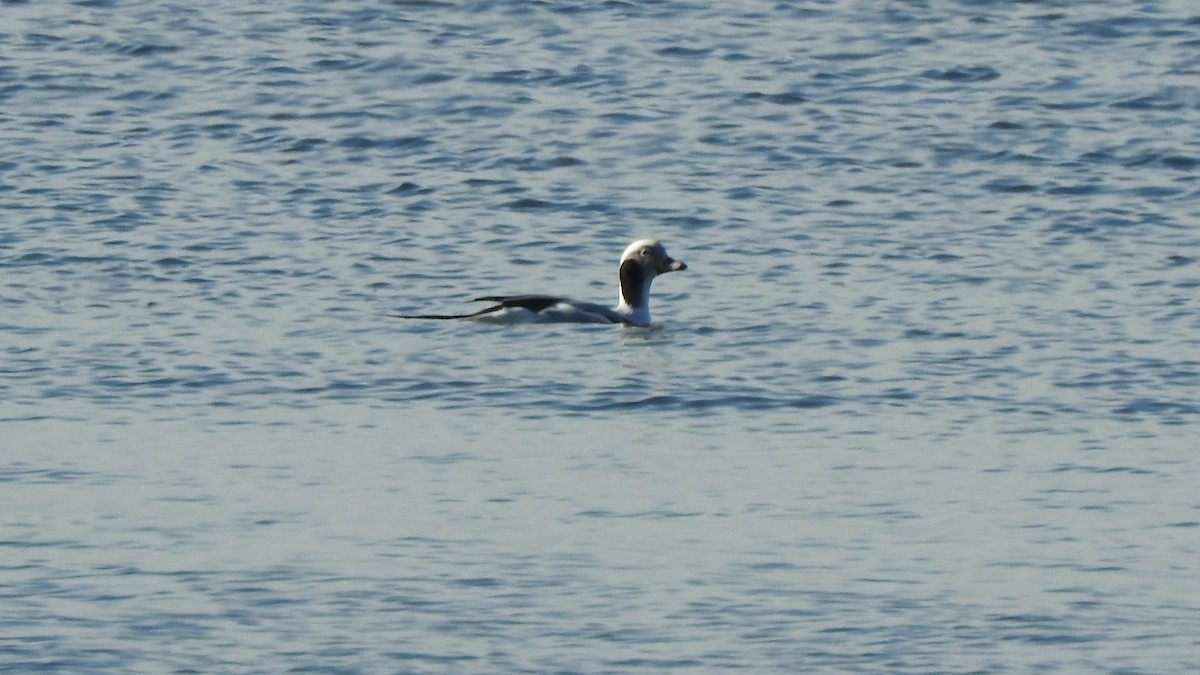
(635, 291)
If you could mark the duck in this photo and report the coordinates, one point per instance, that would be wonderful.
(641, 262)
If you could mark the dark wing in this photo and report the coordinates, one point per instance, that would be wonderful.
(555, 308)
(533, 303)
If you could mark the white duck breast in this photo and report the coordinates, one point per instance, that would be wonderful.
(642, 261)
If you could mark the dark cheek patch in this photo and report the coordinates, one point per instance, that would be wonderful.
(631, 283)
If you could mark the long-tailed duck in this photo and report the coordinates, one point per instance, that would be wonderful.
(640, 263)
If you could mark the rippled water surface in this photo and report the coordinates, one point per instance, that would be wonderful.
(925, 400)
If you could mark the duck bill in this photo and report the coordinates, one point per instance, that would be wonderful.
(671, 265)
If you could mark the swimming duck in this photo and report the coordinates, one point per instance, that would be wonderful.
(642, 261)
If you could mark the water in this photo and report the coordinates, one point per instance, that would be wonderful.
(925, 400)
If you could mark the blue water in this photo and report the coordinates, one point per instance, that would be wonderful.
(925, 400)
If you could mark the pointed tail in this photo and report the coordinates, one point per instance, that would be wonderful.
(471, 315)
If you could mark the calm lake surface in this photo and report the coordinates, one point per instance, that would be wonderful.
(927, 399)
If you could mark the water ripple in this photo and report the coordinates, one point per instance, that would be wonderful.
(927, 387)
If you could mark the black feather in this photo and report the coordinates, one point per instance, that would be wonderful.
(486, 310)
(533, 303)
